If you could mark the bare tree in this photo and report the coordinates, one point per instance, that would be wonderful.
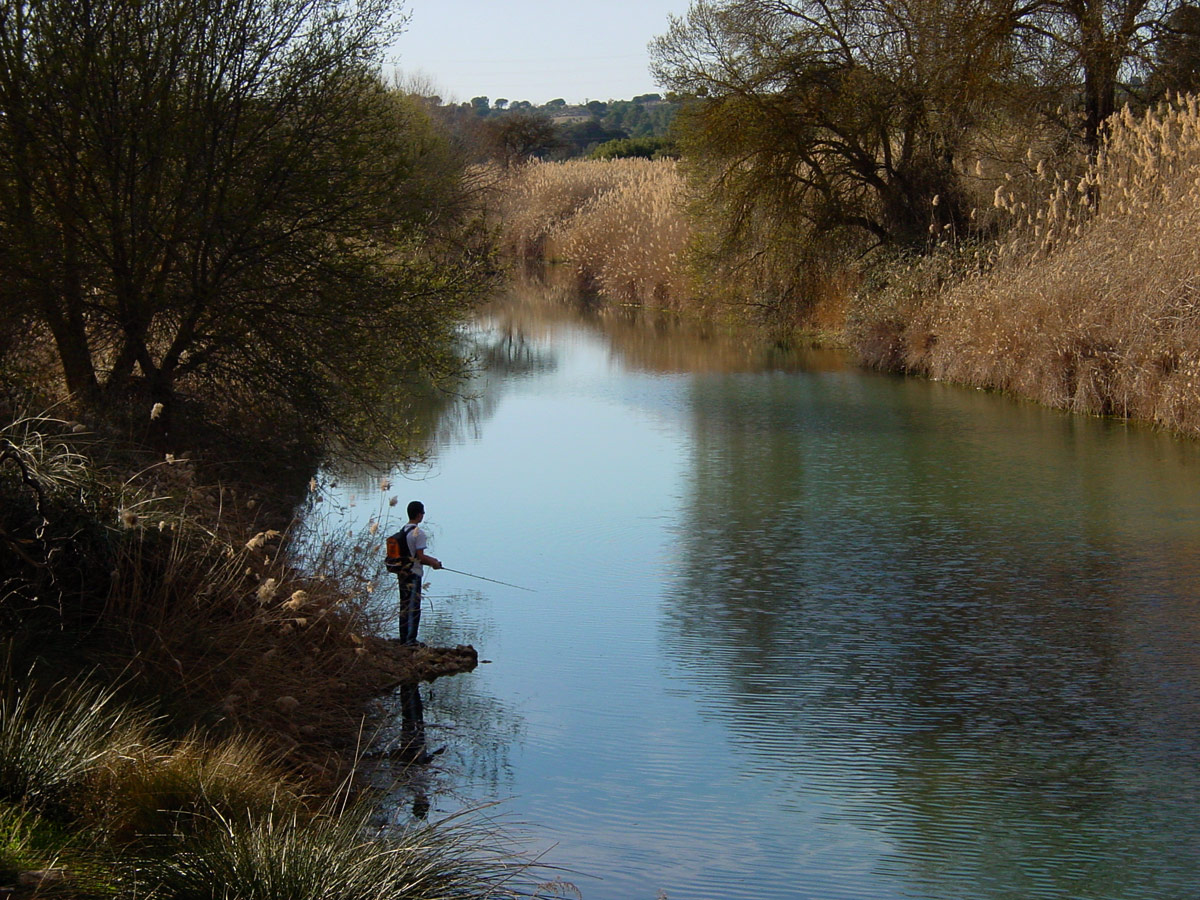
(1092, 49)
(849, 113)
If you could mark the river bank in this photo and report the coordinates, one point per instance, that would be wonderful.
(195, 593)
(1082, 295)
(175, 659)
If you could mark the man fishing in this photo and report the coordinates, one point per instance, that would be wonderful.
(407, 558)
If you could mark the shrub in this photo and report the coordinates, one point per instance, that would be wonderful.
(200, 819)
(53, 516)
(25, 843)
(162, 580)
(636, 148)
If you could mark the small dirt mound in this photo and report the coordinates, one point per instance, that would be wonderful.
(396, 664)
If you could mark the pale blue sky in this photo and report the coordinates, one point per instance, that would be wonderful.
(533, 50)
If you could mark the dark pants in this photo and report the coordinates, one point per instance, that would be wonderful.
(410, 608)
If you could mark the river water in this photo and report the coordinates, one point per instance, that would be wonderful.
(801, 631)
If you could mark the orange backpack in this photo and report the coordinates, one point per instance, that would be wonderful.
(399, 559)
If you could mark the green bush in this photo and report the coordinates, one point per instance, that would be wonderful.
(18, 853)
(635, 148)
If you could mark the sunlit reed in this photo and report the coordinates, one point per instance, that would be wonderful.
(620, 225)
(1091, 301)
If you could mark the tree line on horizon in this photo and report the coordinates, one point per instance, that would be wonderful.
(516, 131)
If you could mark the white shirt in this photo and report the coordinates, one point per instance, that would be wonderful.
(417, 542)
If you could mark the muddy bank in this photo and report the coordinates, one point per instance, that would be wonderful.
(393, 664)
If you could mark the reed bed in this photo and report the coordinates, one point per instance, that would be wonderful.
(538, 199)
(620, 225)
(1091, 304)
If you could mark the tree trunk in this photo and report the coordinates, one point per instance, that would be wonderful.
(74, 352)
(1100, 58)
(1100, 101)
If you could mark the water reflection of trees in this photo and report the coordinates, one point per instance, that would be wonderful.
(451, 414)
(968, 620)
(506, 351)
(500, 355)
(545, 298)
(510, 341)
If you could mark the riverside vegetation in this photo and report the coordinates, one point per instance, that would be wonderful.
(1002, 210)
(1089, 303)
(230, 252)
(181, 710)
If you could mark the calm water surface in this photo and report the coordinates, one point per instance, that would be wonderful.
(801, 631)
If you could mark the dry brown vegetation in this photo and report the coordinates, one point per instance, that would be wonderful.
(1087, 301)
(1091, 303)
(171, 587)
(620, 225)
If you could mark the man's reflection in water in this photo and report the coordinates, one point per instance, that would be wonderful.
(411, 750)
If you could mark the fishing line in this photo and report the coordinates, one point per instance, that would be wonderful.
(484, 578)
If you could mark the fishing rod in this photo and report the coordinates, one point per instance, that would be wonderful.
(482, 578)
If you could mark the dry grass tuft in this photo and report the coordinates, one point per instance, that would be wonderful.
(171, 788)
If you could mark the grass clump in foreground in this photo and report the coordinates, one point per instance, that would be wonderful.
(332, 856)
(213, 818)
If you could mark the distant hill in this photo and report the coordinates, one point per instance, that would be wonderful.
(579, 128)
